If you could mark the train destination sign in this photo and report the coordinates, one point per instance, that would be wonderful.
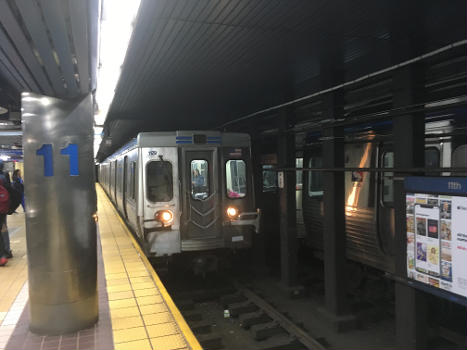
(437, 233)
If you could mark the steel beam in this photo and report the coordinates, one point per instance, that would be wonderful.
(287, 209)
(334, 210)
(409, 139)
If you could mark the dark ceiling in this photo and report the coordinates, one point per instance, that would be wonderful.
(198, 64)
(47, 47)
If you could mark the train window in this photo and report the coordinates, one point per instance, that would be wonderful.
(432, 157)
(199, 179)
(269, 178)
(133, 180)
(299, 173)
(235, 178)
(315, 178)
(159, 183)
(388, 182)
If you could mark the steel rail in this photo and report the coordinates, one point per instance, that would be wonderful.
(308, 341)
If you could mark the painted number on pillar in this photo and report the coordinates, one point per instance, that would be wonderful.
(47, 152)
(72, 151)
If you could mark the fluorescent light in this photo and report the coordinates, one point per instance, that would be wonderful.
(115, 32)
(116, 27)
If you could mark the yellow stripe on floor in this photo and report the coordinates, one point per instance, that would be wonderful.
(143, 313)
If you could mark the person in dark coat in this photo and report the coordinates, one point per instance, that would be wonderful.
(5, 252)
(18, 184)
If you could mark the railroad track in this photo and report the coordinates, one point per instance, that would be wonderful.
(235, 317)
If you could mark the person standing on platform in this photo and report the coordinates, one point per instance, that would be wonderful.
(6, 182)
(18, 184)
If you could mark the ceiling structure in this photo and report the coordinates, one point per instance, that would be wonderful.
(198, 64)
(47, 47)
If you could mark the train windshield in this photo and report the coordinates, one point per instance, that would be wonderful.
(199, 179)
(235, 178)
(159, 181)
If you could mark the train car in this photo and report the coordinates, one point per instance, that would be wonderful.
(369, 206)
(184, 191)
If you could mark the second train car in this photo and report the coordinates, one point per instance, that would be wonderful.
(184, 191)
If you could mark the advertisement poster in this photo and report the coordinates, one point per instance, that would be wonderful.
(437, 241)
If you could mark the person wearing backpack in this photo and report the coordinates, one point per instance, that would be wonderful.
(5, 252)
(18, 185)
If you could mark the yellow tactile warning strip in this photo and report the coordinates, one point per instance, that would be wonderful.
(143, 313)
(14, 275)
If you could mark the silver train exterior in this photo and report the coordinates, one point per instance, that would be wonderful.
(184, 190)
(368, 195)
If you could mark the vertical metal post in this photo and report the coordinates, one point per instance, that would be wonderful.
(409, 143)
(60, 203)
(334, 209)
(287, 210)
(259, 239)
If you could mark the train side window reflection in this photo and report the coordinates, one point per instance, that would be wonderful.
(133, 180)
(388, 182)
(315, 178)
(432, 157)
(269, 178)
(159, 181)
(235, 178)
(199, 179)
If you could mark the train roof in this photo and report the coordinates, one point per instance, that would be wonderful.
(184, 138)
(194, 137)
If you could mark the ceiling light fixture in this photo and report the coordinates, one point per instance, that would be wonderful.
(116, 27)
(115, 31)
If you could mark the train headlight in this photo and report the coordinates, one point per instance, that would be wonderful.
(232, 212)
(165, 217)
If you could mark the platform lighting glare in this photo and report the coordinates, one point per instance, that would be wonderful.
(115, 32)
(45, 101)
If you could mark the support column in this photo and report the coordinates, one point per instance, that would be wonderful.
(259, 243)
(334, 217)
(409, 144)
(287, 210)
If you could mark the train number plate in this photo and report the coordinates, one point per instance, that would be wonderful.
(237, 238)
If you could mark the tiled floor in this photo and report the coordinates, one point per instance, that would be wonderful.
(143, 314)
(15, 273)
(135, 310)
(15, 326)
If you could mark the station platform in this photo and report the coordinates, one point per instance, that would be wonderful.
(135, 310)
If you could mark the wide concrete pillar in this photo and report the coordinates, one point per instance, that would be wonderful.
(60, 204)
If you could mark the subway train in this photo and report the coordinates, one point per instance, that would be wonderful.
(369, 210)
(369, 206)
(184, 192)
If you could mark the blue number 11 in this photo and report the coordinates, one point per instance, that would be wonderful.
(72, 151)
(46, 151)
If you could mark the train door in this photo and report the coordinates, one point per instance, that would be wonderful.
(124, 187)
(201, 198)
(299, 198)
(115, 181)
(111, 179)
(385, 212)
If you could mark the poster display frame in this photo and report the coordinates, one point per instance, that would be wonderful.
(436, 227)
